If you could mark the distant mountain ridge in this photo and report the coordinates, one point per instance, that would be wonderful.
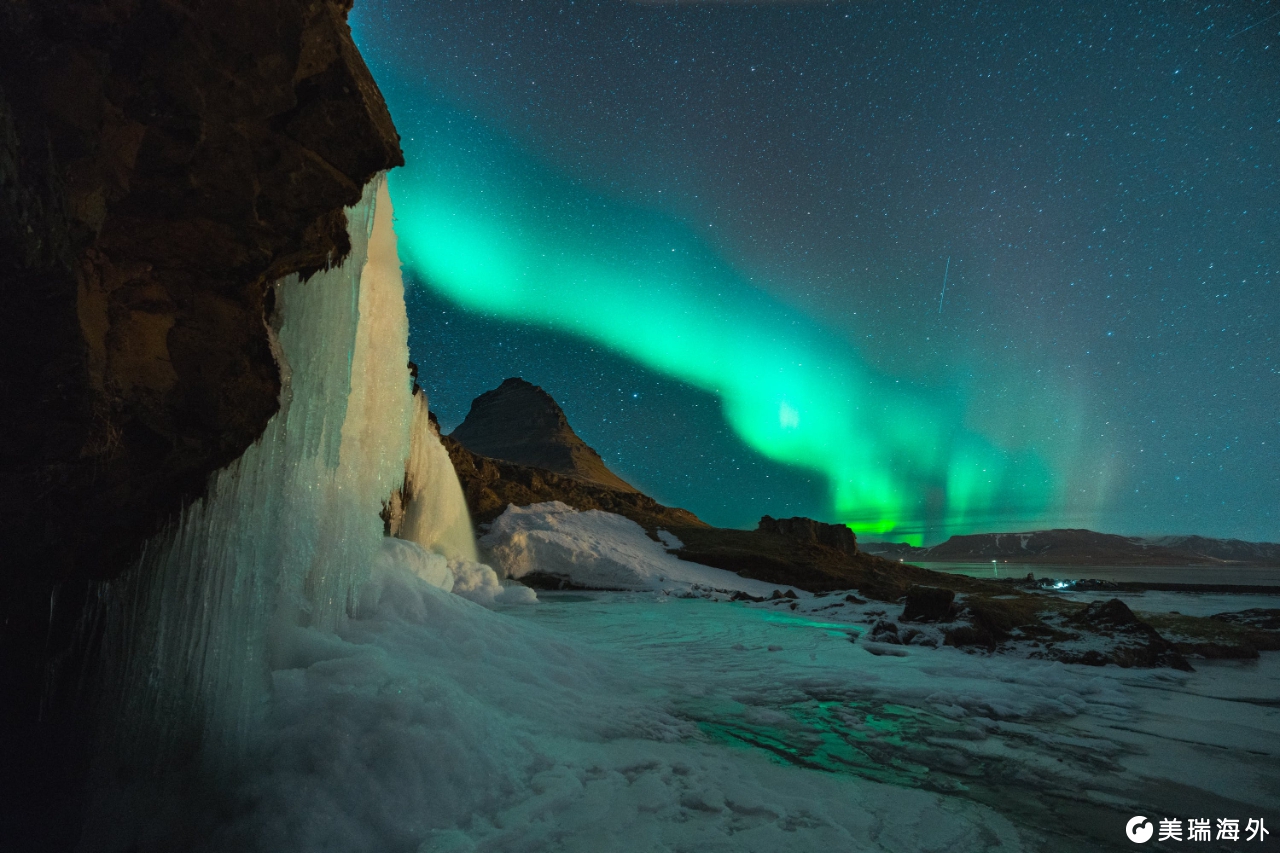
(826, 558)
(1085, 547)
(1227, 550)
(519, 422)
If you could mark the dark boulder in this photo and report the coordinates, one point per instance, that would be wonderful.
(928, 604)
(1112, 613)
(884, 631)
(1137, 643)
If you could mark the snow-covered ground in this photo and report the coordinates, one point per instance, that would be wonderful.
(644, 721)
(669, 718)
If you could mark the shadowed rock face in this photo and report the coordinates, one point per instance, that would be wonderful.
(491, 485)
(519, 422)
(836, 536)
(161, 163)
(928, 604)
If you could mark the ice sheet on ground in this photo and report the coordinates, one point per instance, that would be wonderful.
(629, 722)
(599, 550)
(431, 724)
(1068, 748)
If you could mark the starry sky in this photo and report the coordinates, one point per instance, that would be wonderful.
(718, 234)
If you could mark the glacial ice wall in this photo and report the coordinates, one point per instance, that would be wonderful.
(285, 534)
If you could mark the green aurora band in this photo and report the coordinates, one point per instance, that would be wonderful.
(496, 231)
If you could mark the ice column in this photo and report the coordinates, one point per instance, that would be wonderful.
(286, 533)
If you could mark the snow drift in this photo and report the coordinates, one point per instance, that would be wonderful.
(599, 550)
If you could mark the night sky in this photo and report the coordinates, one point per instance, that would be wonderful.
(717, 234)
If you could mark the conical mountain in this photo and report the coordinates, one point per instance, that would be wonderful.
(519, 422)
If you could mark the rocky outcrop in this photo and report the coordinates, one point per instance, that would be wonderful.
(491, 485)
(519, 422)
(1240, 635)
(836, 536)
(1139, 644)
(161, 163)
(806, 564)
(1264, 618)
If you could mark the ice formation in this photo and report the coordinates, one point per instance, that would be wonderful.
(431, 512)
(285, 536)
(285, 533)
(435, 512)
(638, 722)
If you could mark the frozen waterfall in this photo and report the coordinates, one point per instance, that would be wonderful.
(435, 511)
(287, 533)
(435, 517)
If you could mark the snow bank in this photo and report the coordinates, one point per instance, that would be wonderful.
(599, 550)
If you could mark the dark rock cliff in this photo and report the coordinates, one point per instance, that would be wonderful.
(161, 162)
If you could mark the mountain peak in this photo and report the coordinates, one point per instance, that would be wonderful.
(520, 422)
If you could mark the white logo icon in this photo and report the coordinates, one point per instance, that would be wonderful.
(1139, 829)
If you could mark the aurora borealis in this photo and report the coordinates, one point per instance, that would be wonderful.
(644, 286)
(759, 202)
